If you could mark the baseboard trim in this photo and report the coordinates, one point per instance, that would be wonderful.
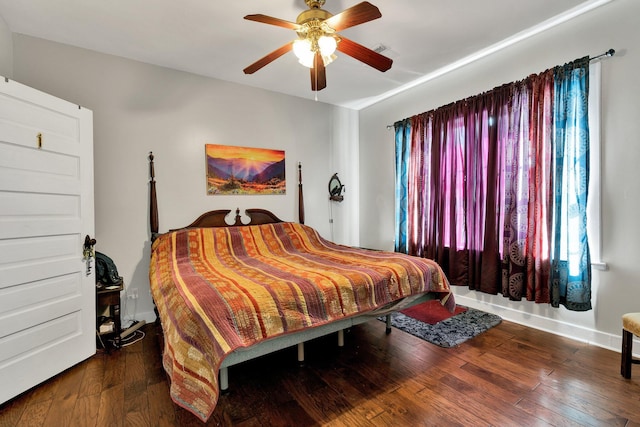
(579, 333)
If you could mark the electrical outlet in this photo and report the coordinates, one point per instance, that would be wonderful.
(132, 293)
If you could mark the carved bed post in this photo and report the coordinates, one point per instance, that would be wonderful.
(300, 199)
(153, 200)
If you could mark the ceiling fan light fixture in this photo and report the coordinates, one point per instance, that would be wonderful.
(307, 61)
(328, 59)
(305, 49)
(328, 45)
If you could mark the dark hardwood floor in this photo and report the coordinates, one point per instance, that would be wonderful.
(508, 376)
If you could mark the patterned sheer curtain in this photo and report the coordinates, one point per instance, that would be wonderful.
(571, 261)
(403, 135)
(477, 189)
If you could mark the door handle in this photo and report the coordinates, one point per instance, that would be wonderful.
(88, 253)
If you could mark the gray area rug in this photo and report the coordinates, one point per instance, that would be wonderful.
(450, 332)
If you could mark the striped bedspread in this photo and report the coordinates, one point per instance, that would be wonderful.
(219, 289)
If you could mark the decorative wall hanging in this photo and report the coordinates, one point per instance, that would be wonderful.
(335, 189)
(244, 170)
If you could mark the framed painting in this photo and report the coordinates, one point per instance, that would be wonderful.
(244, 170)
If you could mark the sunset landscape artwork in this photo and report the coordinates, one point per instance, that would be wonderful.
(244, 170)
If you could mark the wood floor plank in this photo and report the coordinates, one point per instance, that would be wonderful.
(115, 368)
(253, 394)
(152, 359)
(61, 410)
(290, 413)
(596, 358)
(85, 411)
(532, 352)
(546, 415)
(511, 370)
(111, 411)
(355, 388)
(93, 377)
(45, 391)
(510, 375)
(494, 377)
(569, 377)
(65, 396)
(136, 403)
(35, 414)
(493, 410)
(69, 383)
(482, 380)
(161, 407)
(134, 366)
(312, 393)
(565, 409)
(12, 411)
(549, 342)
(582, 405)
(614, 395)
(410, 408)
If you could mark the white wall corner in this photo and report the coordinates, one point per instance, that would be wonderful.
(6, 50)
(344, 162)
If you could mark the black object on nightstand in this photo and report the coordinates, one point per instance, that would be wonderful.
(108, 314)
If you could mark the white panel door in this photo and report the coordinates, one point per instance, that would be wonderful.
(47, 298)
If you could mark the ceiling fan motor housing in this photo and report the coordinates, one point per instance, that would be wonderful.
(313, 14)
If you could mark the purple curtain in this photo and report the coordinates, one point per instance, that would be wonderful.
(479, 189)
(527, 189)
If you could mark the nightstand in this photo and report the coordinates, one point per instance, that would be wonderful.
(108, 313)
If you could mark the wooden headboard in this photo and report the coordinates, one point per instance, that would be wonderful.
(216, 218)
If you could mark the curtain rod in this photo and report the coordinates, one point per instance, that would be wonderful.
(608, 53)
(605, 55)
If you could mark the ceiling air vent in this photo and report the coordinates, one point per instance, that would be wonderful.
(380, 48)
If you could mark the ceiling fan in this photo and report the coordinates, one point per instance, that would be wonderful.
(318, 39)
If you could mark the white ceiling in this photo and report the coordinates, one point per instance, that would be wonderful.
(211, 38)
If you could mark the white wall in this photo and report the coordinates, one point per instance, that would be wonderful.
(6, 50)
(344, 162)
(615, 291)
(140, 108)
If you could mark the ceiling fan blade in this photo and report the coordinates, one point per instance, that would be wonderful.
(269, 58)
(273, 21)
(358, 14)
(318, 74)
(363, 54)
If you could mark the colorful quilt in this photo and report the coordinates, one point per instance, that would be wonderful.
(219, 289)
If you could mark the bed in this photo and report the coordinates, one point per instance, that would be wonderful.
(227, 292)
